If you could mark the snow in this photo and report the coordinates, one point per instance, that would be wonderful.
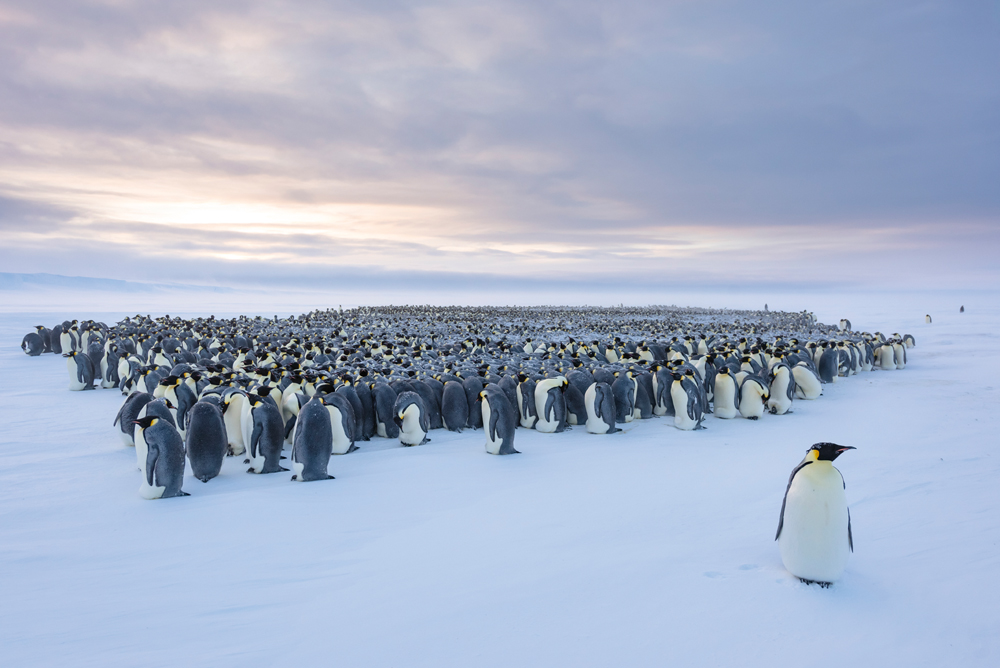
(648, 547)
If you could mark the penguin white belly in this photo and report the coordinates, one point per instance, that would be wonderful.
(246, 423)
(807, 385)
(899, 355)
(141, 449)
(66, 342)
(595, 425)
(725, 398)
(814, 540)
(779, 403)
(751, 401)
(297, 468)
(411, 433)
(886, 360)
(492, 445)
(680, 398)
(341, 441)
(543, 425)
(150, 492)
(234, 425)
(74, 383)
(379, 429)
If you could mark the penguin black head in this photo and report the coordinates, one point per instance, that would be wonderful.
(146, 422)
(827, 452)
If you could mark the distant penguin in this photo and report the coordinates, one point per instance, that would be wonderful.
(961, 309)
(550, 405)
(454, 406)
(601, 409)
(343, 424)
(313, 443)
(688, 410)
(927, 319)
(266, 438)
(205, 440)
(781, 389)
(727, 395)
(814, 527)
(753, 397)
(411, 418)
(499, 421)
(81, 371)
(163, 468)
(128, 413)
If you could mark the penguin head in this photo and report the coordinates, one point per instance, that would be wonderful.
(827, 452)
(146, 422)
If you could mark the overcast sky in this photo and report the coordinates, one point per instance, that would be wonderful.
(658, 143)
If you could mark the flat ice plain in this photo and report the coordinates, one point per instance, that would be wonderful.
(647, 548)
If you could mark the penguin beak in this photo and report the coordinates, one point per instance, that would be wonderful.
(844, 448)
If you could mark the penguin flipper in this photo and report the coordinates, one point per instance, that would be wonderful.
(850, 537)
(351, 449)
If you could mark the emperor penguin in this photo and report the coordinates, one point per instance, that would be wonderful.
(384, 398)
(266, 437)
(313, 443)
(601, 409)
(550, 405)
(814, 527)
(727, 394)
(781, 389)
(343, 424)
(899, 353)
(886, 357)
(624, 389)
(411, 418)
(32, 344)
(128, 413)
(753, 395)
(81, 371)
(232, 411)
(927, 319)
(163, 468)
(499, 421)
(807, 383)
(205, 440)
(526, 401)
(663, 405)
(688, 411)
(454, 406)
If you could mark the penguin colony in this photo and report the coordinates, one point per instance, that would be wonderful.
(321, 383)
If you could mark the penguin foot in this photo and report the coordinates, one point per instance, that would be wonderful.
(753, 417)
(250, 470)
(824, 585)
(246, 461)
(295, 477)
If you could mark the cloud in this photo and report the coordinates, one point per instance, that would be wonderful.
(712, 142)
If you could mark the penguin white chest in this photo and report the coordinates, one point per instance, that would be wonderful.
(492, 444)
(725, 397)
(680, 398)
(814, 541)
(410, 433)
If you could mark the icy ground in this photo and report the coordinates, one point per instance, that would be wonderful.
(648, 548)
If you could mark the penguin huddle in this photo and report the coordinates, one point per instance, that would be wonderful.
(323, 383)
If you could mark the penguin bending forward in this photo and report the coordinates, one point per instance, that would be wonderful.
(163, 470)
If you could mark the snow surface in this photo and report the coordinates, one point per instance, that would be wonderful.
(645, 548)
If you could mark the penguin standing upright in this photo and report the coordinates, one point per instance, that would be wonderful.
(313, 442)
(266, 438)
(163, 469)
(727, 395)
(343, 424)
(688, 409)
(753, 396)
(781, 389)
(550, 405)
(454, 406)
(814, 527)
(81, 371)
(205, 440)
(499, 421)
(601, 409)
(526, 402)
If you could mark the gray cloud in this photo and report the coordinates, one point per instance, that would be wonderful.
(602, 134)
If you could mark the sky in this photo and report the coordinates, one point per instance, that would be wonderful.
(557, 144)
